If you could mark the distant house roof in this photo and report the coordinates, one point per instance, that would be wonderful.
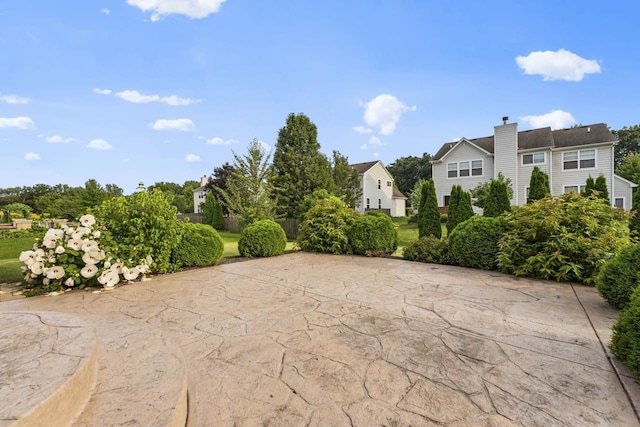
(543, 138)
(363, 167)
(397, 194)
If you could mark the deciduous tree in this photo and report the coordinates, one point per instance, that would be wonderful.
(407, 171)
(628, 143)
(346, 180)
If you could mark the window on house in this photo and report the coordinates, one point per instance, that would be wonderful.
(579, 159)
(446, 200)
(452, 170)
(388, 183)
(379, 184)
(379, 203)
(619, 202)
(464, 169)
(574, 188)
(533, 159)
(476, 168)
(367, 203)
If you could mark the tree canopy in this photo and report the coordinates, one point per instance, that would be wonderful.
(299, 168)
(407, 171)
(630, 168)
(346, 180)
(628, 143)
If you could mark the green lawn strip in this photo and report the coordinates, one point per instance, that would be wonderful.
(10, 249)
(407, 233)
(10, 271)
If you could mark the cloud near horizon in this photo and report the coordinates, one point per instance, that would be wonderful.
(138, 98)
(194, 9)
(14, 99)
(192, 158)
(17, 122)
(99, 144)
(184, 125)
(556, 119)
(560, 65)
(384, 112)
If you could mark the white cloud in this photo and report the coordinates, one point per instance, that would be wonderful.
(138, 98)
(59, 139)
(194, 9)
(374, 140)
(191, 158)
(13, 99)
(556, 119)
(560, 65)
(16, 122)
(102, 91)
(184, 125)
(219, 141)
(105, 11)
(266, 147)
(384, 112)
(364, 147)
(99, 144)
(362, 130)
(32, 156)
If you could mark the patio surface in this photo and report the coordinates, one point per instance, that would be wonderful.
(320, 340)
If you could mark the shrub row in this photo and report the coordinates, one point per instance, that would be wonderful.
(331, 226)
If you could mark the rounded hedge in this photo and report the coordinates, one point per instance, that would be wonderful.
(625, 342)
(262, 238)
(428, 249)
(620, 276)
(373, 235)
(474, 242)
(325, 227)
(200, 245)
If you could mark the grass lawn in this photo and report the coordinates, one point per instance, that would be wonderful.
(408, 233)
(9, 252)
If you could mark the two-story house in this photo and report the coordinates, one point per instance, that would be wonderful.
(200, 195)
(568, 156)
(378, 191)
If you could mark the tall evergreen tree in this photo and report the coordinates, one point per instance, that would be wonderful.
(465, 207)
(589, 187)
(453, 216)
(208, 209)
(601, 188)
(498, 199)
(249, 194)
(538, 185)
(299, 168)
(634, 221)
(346, 180)
(429, 212)
(218, 217)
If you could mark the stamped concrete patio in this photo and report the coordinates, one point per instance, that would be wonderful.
(320, 340)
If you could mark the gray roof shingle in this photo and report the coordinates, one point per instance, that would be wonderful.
(544, 138)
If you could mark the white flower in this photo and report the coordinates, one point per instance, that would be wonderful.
(149, 260)
(55, 272)
(92, 257)
(87, 220)
(49, 242)
(75, 244)
(39, 255)
(88, 245)
(37, 268)
(107, 264)
(60, 250)
(45, 281)
(69, 230)
(52, 260)
(96, 234)
(143, 268)
(54, 233)
(117, 267)
(28, 257)
(69, 282)
(109, 278)
(89, 271)
(80, 231)
(130, 273)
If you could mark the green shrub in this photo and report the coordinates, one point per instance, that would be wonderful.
(373, 235)
(620, 276)
(429, 212)
(497, 202)
(474, 242)
(141, 224)
(567, 238)
(325, 226)
(428, 249)
(262, 239)
(444, 218)
(200, 245)
(34, 231)
(625, 342)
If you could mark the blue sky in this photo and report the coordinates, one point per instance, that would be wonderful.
(128, 91)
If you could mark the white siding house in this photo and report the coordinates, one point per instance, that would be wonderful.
(378, 191)
(568, 156)
(199, 195)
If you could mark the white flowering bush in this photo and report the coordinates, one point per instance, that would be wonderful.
(68, 257)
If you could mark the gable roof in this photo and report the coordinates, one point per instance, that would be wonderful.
(397, 194)
(363, 167)
(543, 138)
